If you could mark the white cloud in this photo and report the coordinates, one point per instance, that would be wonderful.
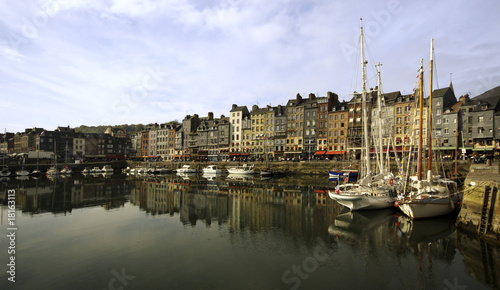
(90, 57)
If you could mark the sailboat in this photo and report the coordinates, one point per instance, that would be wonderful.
(5, 170)
(434, 196)
(53, 169)
(66, 169)
(372, 192)
(36, 171)
(22, 172)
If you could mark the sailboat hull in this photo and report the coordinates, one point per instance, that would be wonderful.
(427, 208)
(362, 201)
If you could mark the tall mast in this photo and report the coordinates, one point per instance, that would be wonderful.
(429, 126)
(363, 99)
(379, 105)
(420, 121)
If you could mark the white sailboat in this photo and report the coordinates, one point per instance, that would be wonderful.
(373, 192)
(36, 171)
(53, 169)
(22, 172)
(434, 196)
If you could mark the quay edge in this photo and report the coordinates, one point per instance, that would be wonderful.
(480, 211)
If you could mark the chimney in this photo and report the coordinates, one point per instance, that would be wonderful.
(210, 115)
(312, 97)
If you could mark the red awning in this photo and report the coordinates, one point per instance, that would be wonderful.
(335, 152)
(319, 152)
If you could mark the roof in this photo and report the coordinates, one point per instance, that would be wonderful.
(491, 97)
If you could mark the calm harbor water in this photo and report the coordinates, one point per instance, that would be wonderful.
(174, 232)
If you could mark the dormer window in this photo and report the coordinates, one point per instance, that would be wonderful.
(484, 107)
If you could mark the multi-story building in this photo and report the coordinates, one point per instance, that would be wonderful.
(165, 140)
(295, 127)
(207, 137)
(236, 116)
(279, 137)
(224, 131)
(172, 129)
(269, 132)
(152, 150)
(355, 132)
(100, 145)
(7, 143)
(310, 127)
(338, 121)
(484, 116)
(465, 131)
(59, 141)
(79, 145)
(26, 141)
(180, 151)
(404, 116)
(257, 132)
(145, 143)
(383, 119)
(246, 138)
(325, 106)
(442, 100)
(136, 144)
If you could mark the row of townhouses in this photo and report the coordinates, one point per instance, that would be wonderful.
(65, 143)
(312, 127)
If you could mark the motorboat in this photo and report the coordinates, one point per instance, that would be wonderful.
(66, 170)
(107, 169)
(96, 170)
(212, 169)
(241, 170)
(342, 174)
(186, 169)
(52, 171)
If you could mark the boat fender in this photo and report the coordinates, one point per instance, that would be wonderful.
(391, 181)
(396, 203)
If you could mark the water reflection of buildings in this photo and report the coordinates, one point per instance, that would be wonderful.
(240, 204)
(63, 195)
(481, 259)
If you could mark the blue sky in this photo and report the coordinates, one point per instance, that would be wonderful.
(111, 62)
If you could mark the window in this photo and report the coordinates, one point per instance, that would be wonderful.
(399, 110)
(480, 119)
